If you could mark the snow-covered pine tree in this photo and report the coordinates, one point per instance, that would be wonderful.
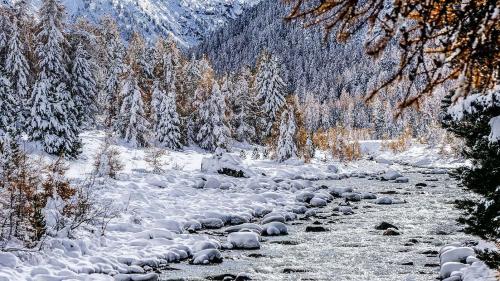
(168, 127)
(4, 27)
(132, 123)
(271, 89)
(286, 147)
(7, 110)
(214, 132)
(311, 111)
(84, 88)
(17, 69)
(246, 108)
(53, 118)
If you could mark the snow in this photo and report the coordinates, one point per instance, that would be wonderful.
(164, 216)
(457, 254)
(495, 129)
(449, 267)
(244, 240)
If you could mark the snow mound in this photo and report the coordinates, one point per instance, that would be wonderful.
(227, 164)
(207, 256)
(274, 228)
(318, 202)
(8, 260)
(390, 175)
(384, 201)
(449, 267)
(457, 254)
(244, 240)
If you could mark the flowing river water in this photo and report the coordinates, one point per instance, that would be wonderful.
(353, 249)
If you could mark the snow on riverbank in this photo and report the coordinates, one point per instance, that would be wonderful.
(162, 212)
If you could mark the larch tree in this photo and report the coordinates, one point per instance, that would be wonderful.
(246, 108)
(286, 146)
(214, 132)
(114, 51)
(53, 120)
(84, 88)
(271, 89)
(133, 125)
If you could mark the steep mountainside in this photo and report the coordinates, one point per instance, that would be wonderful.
(187, 20)
(324, 68)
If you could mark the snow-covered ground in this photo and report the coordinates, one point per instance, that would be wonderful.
(164, 217)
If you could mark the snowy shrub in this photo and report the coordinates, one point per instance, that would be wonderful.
(243, 154)
(153, 156)
(107, 161)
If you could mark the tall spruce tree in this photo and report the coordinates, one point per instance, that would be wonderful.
(246, 108)
(286, 147)
(53, 120)
(7, 110)
(132, 123)
(168, 127)
(18, 70)
(271, 89)
(84, 88)
(214, 132)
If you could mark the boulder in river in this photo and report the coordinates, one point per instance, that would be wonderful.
(385, 225)
(384, 201)
(402, 180)
(274, 228)
(316, 228)
(273, 218)
(390, 175)
(244, 240)
(318, 202)
(207, 256)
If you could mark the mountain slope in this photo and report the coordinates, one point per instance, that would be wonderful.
(187, 20)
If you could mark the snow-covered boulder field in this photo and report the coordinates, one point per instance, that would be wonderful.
(458, 263)
(167, 217)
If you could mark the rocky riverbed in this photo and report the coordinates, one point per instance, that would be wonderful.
(336, 245)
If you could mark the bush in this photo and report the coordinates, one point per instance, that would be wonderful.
(153, 157)
(107, 161)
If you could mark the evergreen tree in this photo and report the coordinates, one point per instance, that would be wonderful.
(214, 132)
(84, 88)
(167, 130)
(270, 89)
(199, 101)
(7, 110)
(474, 123)
(132, 123)
(18, 70)
(53, 118)
(287, 147)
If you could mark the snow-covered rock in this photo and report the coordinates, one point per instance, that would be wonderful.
(457, 254)
(304, 197)
(277, 218)
(449, 267)
(274, 228)
(203, 245)
(318, 202)
(351, 196)
(227, 164)
(384, 200)
(338, 191)
(131, 277)
(212, 223)
(332, 169)
(346, 210)
(368, 195)
(244, 240)
(207, 256)
(391, 175)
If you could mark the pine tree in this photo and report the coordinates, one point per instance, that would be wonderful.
(132, 123)
(198, 101)
(53, 118)
(18, 70)
(214, 132)
(270, 88)
(7, 111)
(168, 127)
(474, 125)
(286, 147)
(84, 88)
